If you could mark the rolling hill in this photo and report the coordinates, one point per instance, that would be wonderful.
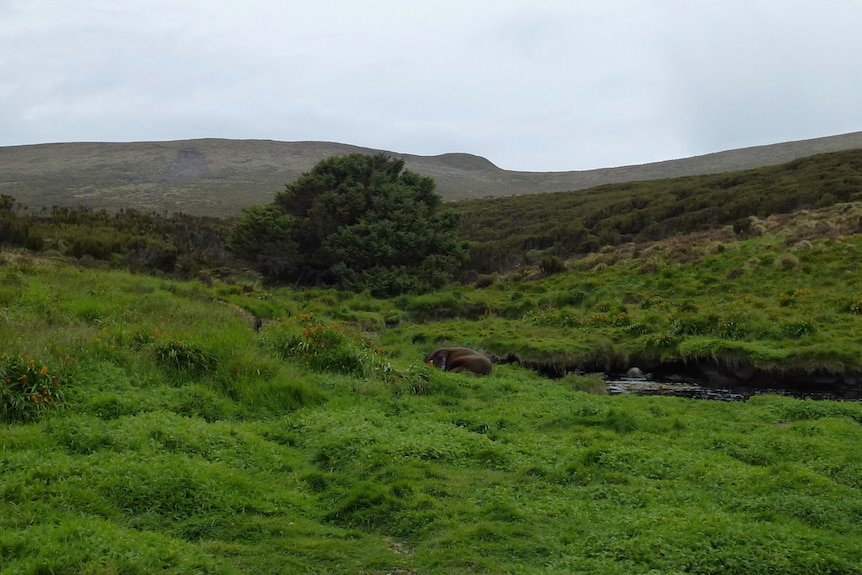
(218, 177)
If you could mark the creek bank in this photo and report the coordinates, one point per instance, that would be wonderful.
(711, 379)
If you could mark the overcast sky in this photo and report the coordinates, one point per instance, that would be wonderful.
(534, 85)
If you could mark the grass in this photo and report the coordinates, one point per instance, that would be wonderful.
(189, 443)
(691, 299)
(508, 232)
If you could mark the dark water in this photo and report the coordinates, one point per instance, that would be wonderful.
(696, 390)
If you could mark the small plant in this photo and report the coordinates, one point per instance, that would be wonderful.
(653, 301)
(552, 317)
(798, 329)
(27, 388)
(729, 329)
(622, 319)
(178, 356)
(599, 319)
(660, 340)
(790, 297)
(326, 345)
(639, 329)
(687, 325)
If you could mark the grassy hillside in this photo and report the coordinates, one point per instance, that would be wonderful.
(213, 177)
(503, 234)
(507, 232)
(146, 426)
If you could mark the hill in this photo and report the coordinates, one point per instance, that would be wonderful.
(217, 177)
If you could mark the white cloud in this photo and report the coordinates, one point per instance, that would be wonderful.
(541, 85)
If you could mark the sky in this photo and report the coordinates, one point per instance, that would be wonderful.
(531, 85)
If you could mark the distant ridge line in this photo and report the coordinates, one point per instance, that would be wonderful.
(219, 177)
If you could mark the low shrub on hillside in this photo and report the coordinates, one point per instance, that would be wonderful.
(27, 388)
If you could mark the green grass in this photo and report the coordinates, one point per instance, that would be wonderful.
(696, 298)
(188, 443)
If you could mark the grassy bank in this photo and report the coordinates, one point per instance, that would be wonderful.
(784, 299)
(172, 437)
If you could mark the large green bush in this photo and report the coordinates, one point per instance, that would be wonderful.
(356, 221)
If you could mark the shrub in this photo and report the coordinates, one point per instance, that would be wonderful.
(356, 221)
(27, 388)
(787, 262)
(552, 265)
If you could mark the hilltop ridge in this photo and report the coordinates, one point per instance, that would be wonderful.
(218, 177)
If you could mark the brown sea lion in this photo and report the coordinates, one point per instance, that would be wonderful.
(458, 359)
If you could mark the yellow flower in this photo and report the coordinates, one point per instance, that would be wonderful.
(32, 363)
(44, 370)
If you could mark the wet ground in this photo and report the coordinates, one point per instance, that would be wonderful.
(696, 390)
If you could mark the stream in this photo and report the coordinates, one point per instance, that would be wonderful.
(699, 390)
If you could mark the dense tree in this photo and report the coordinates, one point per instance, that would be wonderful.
(357, 221)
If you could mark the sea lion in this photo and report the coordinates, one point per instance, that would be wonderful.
(458, 359)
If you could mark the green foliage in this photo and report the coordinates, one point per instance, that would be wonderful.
(179, 244)
(797, 329)
(16, 230)
(441, 305)
(360, 222)
(27, 388)
(317, 446)
(503, 231)
(552, 317)
(264, 236)
(322, 443)
(177, 356)
(552, 265)
(325, 345)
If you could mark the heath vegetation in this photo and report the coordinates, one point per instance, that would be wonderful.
(150, 424)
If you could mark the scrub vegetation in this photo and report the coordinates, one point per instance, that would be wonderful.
(207, 422)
